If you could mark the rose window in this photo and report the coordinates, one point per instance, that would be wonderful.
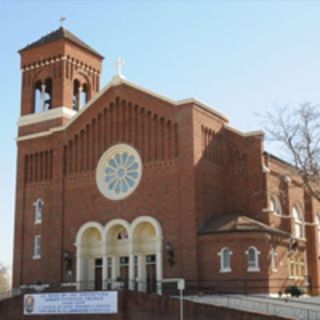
(119, 172)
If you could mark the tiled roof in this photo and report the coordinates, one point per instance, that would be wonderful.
(234, 223)
(58, 34)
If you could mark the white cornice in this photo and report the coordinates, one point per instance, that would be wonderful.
(49, 61)
(61, 112)
(118, 81)
(245, 134)
(265, 169)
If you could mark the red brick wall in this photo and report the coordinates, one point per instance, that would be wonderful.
(71, 198)
(62, 72)
(209, 156)
(239, 280)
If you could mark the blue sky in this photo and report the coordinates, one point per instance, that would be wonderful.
(241, 57)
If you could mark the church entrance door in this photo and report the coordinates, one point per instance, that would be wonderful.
(151, 273)
(98, 274)
(124, 271)
(146, 244)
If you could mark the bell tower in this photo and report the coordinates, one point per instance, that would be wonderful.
(60, 74)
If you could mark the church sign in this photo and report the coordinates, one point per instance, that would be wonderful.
(94, 302)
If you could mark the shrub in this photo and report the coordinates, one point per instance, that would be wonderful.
(294, 291)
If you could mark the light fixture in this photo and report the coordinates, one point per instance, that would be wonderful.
(170, 253)
(67, 257)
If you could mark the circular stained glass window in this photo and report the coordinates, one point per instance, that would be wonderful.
(119, 172)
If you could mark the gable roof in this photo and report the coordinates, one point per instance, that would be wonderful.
(218, 223)
(59, 34)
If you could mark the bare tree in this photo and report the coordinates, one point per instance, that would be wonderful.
(4, 279)
(298, 131)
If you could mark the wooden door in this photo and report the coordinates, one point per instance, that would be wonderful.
(151, 273)
(124, 271)
(98, 274)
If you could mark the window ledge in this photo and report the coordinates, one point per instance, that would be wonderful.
(280, 215)
(225, 270)
(45, 116)
(253, 270)
(296, 277)
(304, 239)
(36, 257)
(38, 222)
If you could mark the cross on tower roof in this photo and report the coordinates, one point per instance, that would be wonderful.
(62, 20)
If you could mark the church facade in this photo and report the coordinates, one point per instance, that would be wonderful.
(123, 185)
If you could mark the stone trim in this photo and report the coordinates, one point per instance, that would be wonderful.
(42, 116)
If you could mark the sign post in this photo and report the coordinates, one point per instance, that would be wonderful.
(181, 286)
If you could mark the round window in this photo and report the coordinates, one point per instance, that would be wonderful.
(119, 172)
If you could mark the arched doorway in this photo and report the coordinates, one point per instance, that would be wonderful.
(117, 252)
(146, 253)
(90, 257)
(130, 254)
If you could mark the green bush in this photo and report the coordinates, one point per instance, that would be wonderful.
(294, 291)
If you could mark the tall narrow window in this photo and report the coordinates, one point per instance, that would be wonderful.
(273, 256)
(109, 273)
(37, 97)
(253, 259)
(275, 205)
(42, 96)
(75, 98)
(83, 96)
(38, 206)
(225, 260)
(48, 94)
(80, 95)
(298, 222)
(291, 268)
(318, 223)
(37, 247)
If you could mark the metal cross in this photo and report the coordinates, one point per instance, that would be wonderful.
(62, 20)
(118, 65)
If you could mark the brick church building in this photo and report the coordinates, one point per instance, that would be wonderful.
(121, 184)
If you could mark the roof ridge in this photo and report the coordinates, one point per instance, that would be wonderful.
(60, 33)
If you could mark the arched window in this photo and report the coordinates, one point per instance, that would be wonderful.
(253, 259)
(275, 205)
(298, 222)
(225, 259)
(37, 98)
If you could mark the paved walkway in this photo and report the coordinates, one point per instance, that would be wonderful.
(305, 308)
